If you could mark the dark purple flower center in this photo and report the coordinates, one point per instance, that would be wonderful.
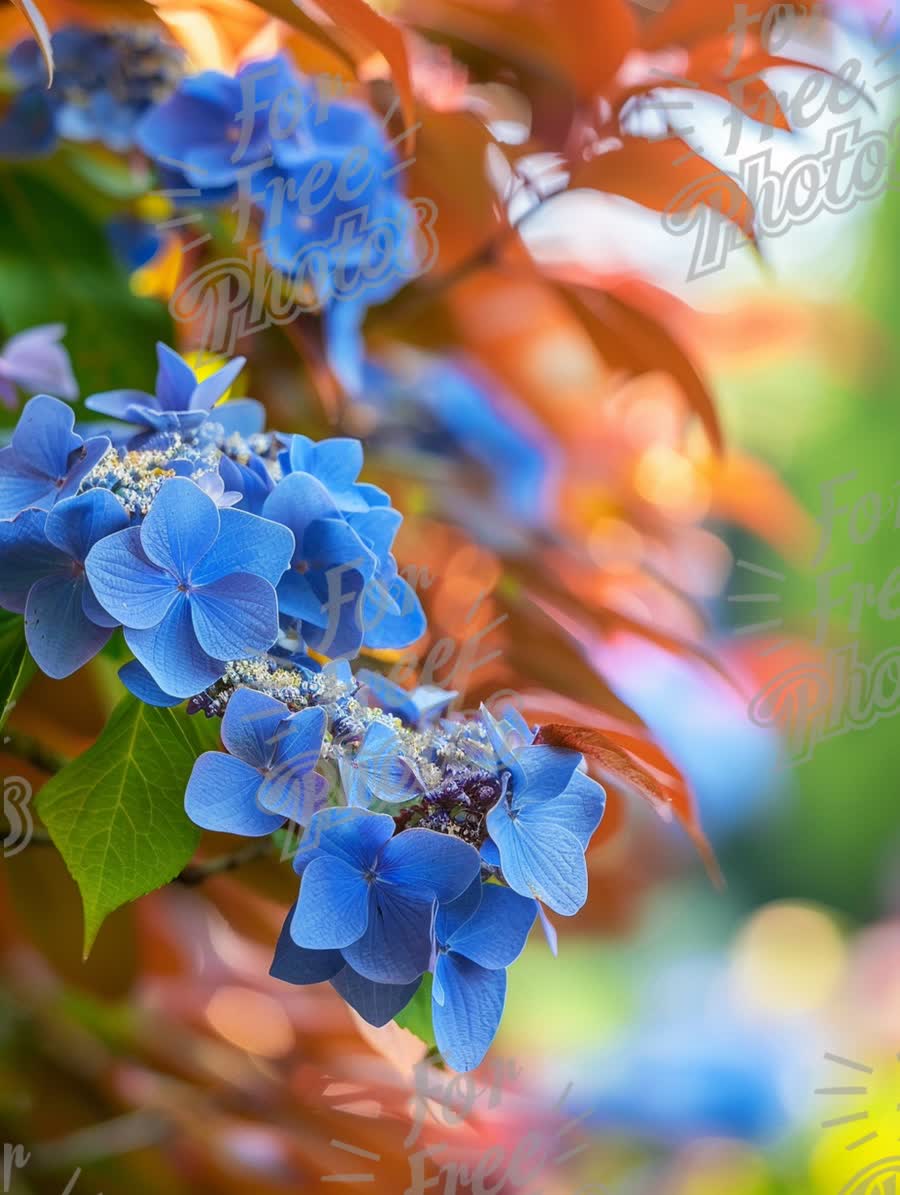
(458, 806)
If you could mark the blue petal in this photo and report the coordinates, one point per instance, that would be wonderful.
(82, 462)
(542, 772)
(44, 437)
(175, 380)
(293, 794)
(423, 862)
(128, 585)
(195, 114)
(332, 544)
(246, 544)
(298, 599)
(212, 388)
(489, 853)
(451, 916)
(352, 835)
(137, 680)
(338, 630)
(386, 630)
(21, 488)
(127, 405)
(76, 524)
(378, 771)
(25, 557)
(549, 868)
(397, 943)
(235, 617)
(60, 636)
(333, 907)
(171, 654)
(297, 501)
(180, 527)
(376, 1003)
(221, 795)
(414, 707)
(495, 935)
(377, 527)
(299, 742)
(37, 360)
(468, 1020)
(294, 964)
(579, 809)
(250, 726)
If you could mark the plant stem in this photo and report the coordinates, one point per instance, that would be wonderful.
(196, 873)
(24, 747)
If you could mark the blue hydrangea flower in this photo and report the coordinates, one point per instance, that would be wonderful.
(180, 403)
(376, 1003)
(378, 771)
(541, 826)
(330, 567)
(250, 478)
(104, 81)
(320, 172)
(205, 139)
(47, 460)
(268, 774)
(416, 707)
(335, 464)
(42, 576)
(372, 895)
(36, 361)
(193, 586)
(477, 937)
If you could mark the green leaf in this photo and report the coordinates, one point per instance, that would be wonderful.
(116, 814)
(16, 665)
(56, 266)
(416, 1017)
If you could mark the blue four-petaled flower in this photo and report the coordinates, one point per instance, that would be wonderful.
(542, 824)
(193, 586)
(42, 576)
(268, 775)
(371, 895)
(477, 937)
(47, 460)
(181, 402)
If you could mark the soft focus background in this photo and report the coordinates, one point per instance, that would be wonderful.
(690, 1039)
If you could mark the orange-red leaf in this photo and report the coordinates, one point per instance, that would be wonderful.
(358, 18)
(630, 339)
(666, 176)
(684, 21)
(620, 764)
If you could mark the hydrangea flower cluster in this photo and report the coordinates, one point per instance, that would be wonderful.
(316, 174)
(200, 535)
(104, 82)
(246, 570)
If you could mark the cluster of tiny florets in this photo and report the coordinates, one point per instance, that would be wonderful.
(458, 806)
(135, 477)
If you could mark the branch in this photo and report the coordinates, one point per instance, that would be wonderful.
(24, 747)
(196, 873)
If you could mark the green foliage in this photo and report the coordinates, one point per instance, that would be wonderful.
(57, 267)
(416, 1017)
(116, 813)
(16, 664)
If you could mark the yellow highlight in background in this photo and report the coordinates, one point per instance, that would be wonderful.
(862, 1127)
